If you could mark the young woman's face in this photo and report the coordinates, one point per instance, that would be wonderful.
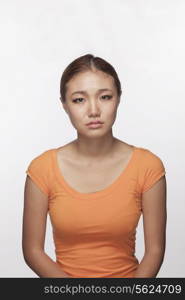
(91, 96)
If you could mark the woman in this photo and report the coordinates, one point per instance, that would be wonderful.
(94, 188)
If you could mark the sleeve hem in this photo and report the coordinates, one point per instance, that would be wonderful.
(156, 179)
(37, 182)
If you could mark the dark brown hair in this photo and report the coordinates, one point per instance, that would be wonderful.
(85, 63)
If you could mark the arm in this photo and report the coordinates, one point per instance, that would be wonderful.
(154, 218)
(33, 234)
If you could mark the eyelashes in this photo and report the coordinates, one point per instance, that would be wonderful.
(76, 99)
(109, 96)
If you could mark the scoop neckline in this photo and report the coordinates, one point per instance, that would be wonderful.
(95, 195)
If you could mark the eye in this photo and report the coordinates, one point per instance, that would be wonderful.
(75, 100)
(108, 96)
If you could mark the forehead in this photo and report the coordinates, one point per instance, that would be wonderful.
(91, 80)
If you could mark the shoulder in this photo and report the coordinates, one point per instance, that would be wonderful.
(40, 171)
(41, 160)
(150, 158)
(43, 155)
(67, 151)
(151, 168)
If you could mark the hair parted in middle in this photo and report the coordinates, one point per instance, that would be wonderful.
(85, 63)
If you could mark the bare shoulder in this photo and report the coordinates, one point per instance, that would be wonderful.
(121, 152)
(124, 149)
(66, 151)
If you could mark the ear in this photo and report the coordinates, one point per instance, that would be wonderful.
(65, 107)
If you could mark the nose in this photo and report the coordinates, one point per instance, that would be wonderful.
(93, 107)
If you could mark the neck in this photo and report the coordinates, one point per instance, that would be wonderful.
(95, 148)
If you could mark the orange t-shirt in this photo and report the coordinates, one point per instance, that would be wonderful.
(94, 233)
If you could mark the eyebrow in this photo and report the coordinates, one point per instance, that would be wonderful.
(84, 92)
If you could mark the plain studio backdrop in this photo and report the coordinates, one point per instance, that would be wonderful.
(144, 41)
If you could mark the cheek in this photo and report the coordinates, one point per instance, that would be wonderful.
(76, 113)
(77, 117)
(110, 110)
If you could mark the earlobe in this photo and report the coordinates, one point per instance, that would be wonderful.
(65, 108)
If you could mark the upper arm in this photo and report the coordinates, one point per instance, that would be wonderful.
(155, 216)
(34, 217)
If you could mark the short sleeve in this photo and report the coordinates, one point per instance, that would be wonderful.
(151, 170)
(38, 170)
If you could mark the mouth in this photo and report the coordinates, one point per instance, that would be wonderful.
(94, 123)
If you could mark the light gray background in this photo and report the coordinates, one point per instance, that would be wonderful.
(144, 41)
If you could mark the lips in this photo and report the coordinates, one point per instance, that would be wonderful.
(95, 122)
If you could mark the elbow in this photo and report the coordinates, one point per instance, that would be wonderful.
(30, 255)
(156, 253)
(157, 250)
